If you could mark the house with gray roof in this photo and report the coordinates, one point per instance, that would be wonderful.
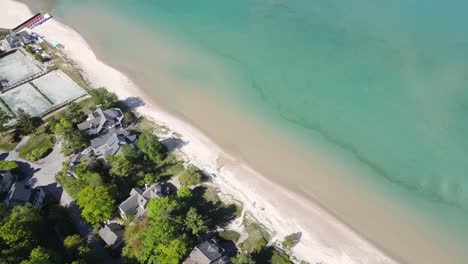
(138, 200)
(208, 252)
(112, 234)
(110, 143)
(101, 120)
(6, 180)
(21, 193)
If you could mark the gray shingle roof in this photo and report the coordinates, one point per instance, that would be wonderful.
(207, 252)
(99, 120)
(112, 234)
(138, 200)
(109, 143)
(19, 193)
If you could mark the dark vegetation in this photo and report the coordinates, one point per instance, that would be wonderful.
(28, 235)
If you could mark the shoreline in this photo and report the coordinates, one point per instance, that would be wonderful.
(234, 176)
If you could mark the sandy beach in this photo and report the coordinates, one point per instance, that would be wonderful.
(324, 240)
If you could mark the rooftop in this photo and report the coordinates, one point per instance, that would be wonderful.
(112, 234)
(207, 252)
(109, 143)
(98, 121)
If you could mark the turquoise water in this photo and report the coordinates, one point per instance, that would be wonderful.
(384, 80)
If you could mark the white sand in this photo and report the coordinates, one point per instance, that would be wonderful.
(324, 240)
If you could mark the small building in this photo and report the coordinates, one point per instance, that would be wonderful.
(6, 180)
(112, 234)
(138, 200)
(20, 193)
(21, 38)
(110, 143)
(207, 252)
(101, 121)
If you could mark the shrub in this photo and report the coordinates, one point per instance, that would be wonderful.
(6, 165)
(38, 57)
(291, 240)
(191, 176)
(38, 154)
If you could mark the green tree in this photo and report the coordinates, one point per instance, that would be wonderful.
(96, 204)
(6, 165)
(194, 222)
(76, 247)
(73, 140)
(120, 166)
(129, 117)
(61, 125)
(184, 193)
(163, 226)
(161, 208)
(21, 230)
(170, 253)
(38, 256)
(242, 258)
(74, 113)
(150, 145)
(279, 259)
(130, 153)
(191, 176)
(150, 177)
(134, 237)
(25, 122)
(103, 97)
(291, 240)
(5, 117)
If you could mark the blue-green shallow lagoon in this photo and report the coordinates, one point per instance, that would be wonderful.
(381, 86)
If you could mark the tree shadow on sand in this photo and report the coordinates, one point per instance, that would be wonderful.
(219, 214)
(132, 103)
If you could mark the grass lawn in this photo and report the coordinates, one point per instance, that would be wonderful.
(9, 141)
(41, 140)
(229, 235)
(258, 235)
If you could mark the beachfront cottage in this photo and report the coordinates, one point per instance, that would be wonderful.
(138, 200)
(21, 193)
(112, 234)
(207, 252)
(101, 121)
(20, 38)
(110, 143)
(6, 180)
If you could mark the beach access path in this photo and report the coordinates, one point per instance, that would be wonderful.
(42, 174)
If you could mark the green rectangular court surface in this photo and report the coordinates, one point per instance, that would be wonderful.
(27, 98)
(17, 66)
(58, 87)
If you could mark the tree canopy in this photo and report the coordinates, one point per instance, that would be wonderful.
(121, 166)
(242, 258)
(150, 145)
(103, 97)
(5, 117)
(25, 122)
(191, 176)
(21, 230)
(96, 204)
(194, 222)
(39, 255)
(6, 165)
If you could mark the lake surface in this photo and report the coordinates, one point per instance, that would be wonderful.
(378, 89)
